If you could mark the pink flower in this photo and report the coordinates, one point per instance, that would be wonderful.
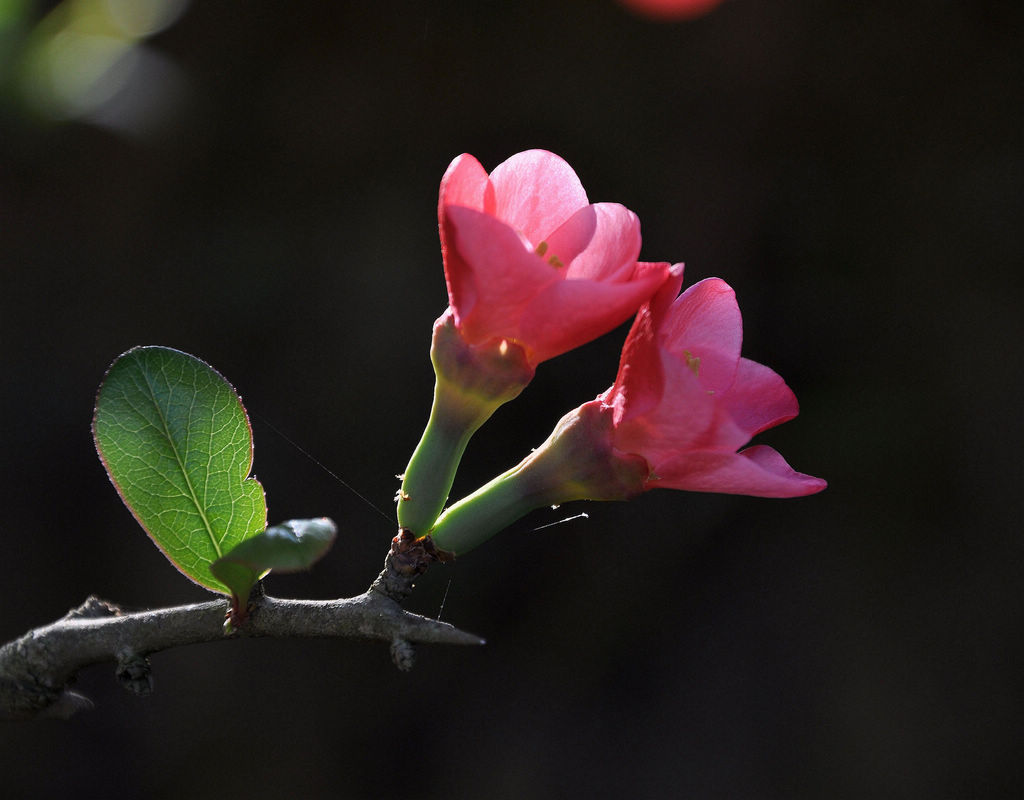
(671, 9)
(681, 406)
(528, 259)
(686, 401)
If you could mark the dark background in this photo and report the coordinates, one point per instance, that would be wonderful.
(853, 170)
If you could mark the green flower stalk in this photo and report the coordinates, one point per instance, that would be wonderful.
(577, 462)
(472, 382)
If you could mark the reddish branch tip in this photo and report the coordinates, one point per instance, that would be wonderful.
(411, 556)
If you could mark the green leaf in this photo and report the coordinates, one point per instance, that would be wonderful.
(288, 547)
(176, 443)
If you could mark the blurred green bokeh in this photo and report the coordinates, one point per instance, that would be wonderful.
(83, 58)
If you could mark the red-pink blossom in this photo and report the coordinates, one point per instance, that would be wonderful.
(671, 9)
(686, 401)
(683, 403)
(529, 260)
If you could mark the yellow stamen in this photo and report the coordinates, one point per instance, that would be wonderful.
(692, 361)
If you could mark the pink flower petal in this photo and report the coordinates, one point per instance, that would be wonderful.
(688, 417)
(759, 399)
(570, 313)
(599, 242)
(535, 192)
(683, 419)
(704, 327)
(492, 277)
(464, 184)
(639, 383)
(569, 239)
(759, 471)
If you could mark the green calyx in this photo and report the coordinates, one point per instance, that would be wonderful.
(472, 382)
(577, 462)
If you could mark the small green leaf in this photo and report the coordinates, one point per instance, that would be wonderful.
(288, 547)
(176, 443)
